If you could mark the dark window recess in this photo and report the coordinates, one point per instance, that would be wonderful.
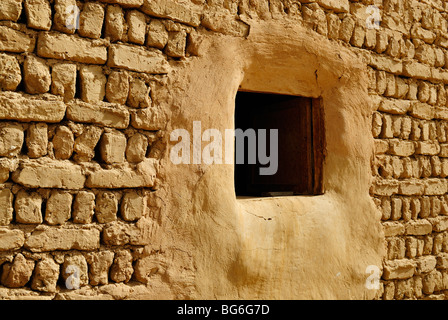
(299, 121)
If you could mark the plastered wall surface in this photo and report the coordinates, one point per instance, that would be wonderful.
(91, 205)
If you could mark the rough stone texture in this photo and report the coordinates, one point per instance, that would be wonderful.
(63, 78)
(10, 10)
(117, 89)
(139, 94)
(72, 48)
(113, 147)
(11, 239)
(17, 273)
(109, 115)
(17, 107)
(106, 207)
(85, 144)
(121, 270)
(38, 14)
(93, 83)
(11, 139)
(15, 41)
(177, 11)
(58, 208)
(64, 16)
(157, 35)
(63, 142)
(51, 239)
(83, 207)
(6, 206)
(10, 73)
(136, 148)
(52, 174)
(28, 207)
(143, 176)
(137, 59)
(99, 265)
(36, 75)
(116, 26)
(37, 139)
(136, 21)
(90, 20)
(133, 206)
(75, 271)
(45, 275)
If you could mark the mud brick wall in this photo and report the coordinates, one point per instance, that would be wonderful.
(79, 141)
(82, 132)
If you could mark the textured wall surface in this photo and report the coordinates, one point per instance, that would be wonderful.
(91, 206)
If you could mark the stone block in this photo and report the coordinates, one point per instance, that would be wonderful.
(177, 42)
(121, 269)
(136, 21)
(169, 9)
(139, 94)
(115, 28)
(136, 148)
(63, 141)
(10, 73)
(6, 207)
(61, 238)
(137, 59)
(99, 266)
(18, 273)
(399, 269)
(11, 239)
(73, 48)
(38, 14)
(113, 147)
(401, 148)
(49, 174)
(11, 139)
(418, 227)
(83, 207)
(133, 206)
(37, 139)
(157, 34)
(106, 207)
(14, 106)
(65, 16)
(75, 263)
(85, 144)
(28, 207)
(46, 275)
(36, 74)
(93, 83)
(91, 20)
(117, 88)
(151, 119)
(106, 114)
(63, 76)
(15, 41)
(58, 208)
(10, 9)
(142, 177)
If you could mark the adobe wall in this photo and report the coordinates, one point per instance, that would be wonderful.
(86, 181)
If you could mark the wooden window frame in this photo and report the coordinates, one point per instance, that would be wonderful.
(247, 185)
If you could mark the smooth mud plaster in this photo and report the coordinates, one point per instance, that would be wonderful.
(301, 247)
